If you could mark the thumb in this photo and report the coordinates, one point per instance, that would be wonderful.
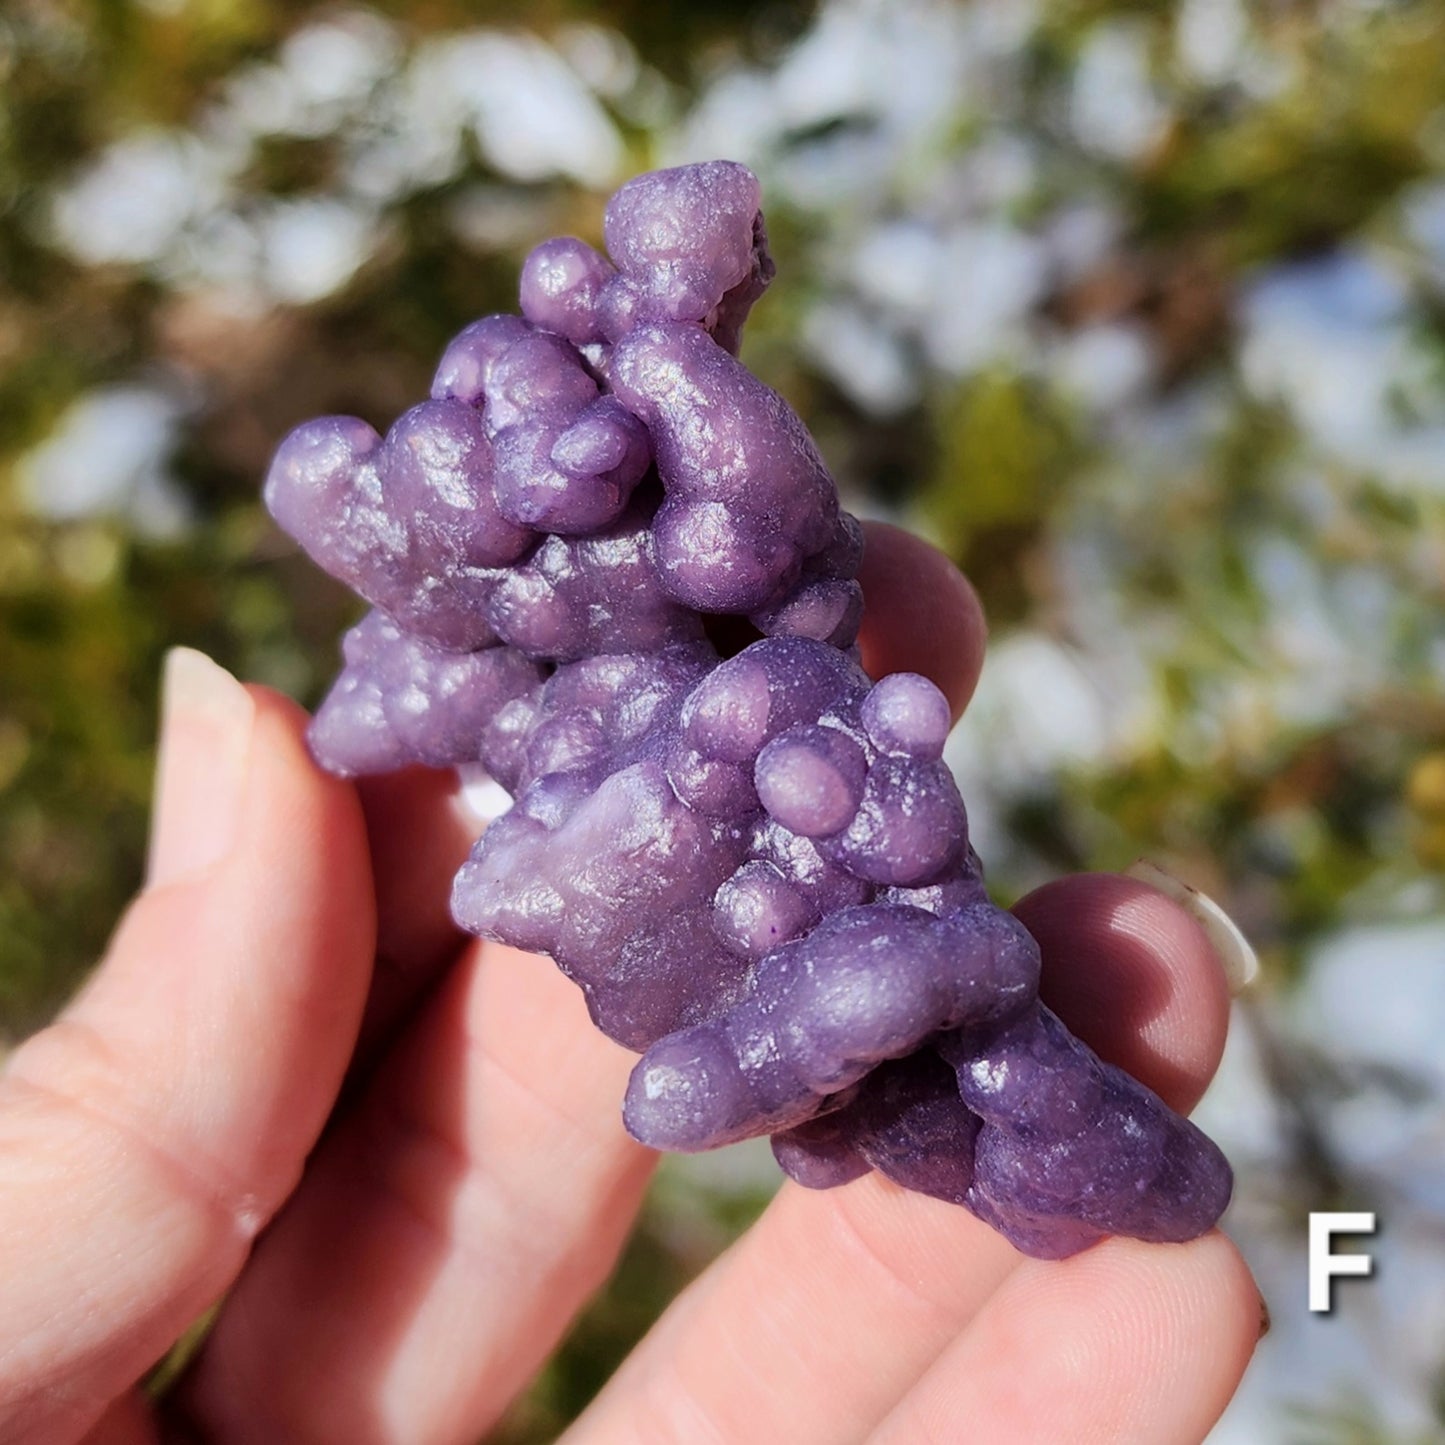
(148, 1134)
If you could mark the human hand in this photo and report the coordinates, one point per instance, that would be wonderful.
(290, 974)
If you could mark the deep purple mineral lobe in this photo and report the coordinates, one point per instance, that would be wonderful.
(756, 866)
(686, 245)
(748, 498)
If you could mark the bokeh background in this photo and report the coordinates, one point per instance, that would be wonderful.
(1138, 310)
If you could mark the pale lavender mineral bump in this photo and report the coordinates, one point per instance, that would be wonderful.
(690, 245)
(748, 497)
(401, 700)
(561, 290)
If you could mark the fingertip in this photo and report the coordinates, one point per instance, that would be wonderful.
(1229, 942)
(921, 614)
(290, 789)
(1134, 975)
(1190, 1311)
(230, 995)
(233, 991)
(1141, 1342)
(279, 705)
(202, 760)
(302, 866)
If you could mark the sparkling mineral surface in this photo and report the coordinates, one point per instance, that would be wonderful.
(755, 866)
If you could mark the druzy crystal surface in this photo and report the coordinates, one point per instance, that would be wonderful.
(756, 866)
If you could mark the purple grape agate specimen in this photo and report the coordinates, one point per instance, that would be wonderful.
(756, 867)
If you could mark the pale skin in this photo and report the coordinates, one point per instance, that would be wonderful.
(289, 975)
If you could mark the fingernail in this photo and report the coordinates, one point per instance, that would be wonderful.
(206, 724)
(1264, 1317)
(1235, 952)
